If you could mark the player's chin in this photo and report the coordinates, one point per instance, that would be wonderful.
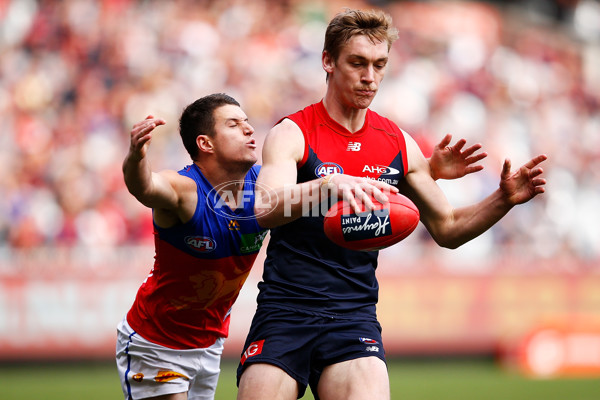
(364, 101)
(251, 156)
(248, 163)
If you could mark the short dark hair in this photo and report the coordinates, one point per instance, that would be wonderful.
(198, 119)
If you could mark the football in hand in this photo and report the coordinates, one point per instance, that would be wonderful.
(372, 230)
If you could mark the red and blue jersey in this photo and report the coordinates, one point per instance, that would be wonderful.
(199, 269)
(304, 270)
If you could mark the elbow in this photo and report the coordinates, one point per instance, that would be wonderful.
(136, 192)
(446, 240)
(450, 245)
(265, 217)
(446, 243)
(445, 232)
(269, 218)
(141, 194)
(266, 209)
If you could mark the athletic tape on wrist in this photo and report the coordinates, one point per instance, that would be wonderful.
(327, 180)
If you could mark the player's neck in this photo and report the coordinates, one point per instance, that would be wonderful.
(351, 118)
(219, 175)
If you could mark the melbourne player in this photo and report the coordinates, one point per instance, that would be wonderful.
(316, 319)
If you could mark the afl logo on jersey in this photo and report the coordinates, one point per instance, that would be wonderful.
(201, 244)
(327, 168)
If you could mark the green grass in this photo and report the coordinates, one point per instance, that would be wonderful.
(410, 380)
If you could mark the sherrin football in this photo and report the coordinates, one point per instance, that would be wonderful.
(372, 230)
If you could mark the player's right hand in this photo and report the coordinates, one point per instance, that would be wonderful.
(359, 190)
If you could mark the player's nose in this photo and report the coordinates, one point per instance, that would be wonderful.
(248, 129)
(368, 74)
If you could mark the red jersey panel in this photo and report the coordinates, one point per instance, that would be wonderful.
(376, 151)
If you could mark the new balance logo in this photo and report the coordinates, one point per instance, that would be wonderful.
(353, 146)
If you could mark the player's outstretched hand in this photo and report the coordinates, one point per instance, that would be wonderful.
(525, 183)
(452, 162)
(141, 134)
(358, 191)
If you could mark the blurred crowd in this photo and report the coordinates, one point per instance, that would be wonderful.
(76, 74)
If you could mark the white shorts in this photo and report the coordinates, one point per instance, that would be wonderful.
(148, 370)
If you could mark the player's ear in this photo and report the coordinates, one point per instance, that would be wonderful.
(205, 144)
(327, 61)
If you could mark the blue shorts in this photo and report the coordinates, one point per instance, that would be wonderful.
(303, 344)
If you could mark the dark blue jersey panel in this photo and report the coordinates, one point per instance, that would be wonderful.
(225, 232)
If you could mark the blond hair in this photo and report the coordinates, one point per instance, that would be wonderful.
(375, 25)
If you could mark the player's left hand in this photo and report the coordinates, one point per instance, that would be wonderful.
(524, 184)
(452, 162)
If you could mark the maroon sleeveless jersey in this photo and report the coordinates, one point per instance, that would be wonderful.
(304, 270)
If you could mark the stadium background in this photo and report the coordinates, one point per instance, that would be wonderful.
(520, 77)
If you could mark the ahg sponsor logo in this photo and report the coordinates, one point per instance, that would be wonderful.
(380, 170)
(382, 173)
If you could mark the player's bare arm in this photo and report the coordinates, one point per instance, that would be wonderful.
(452, 162)
(451, 227)
(171, 195)
(279, 197)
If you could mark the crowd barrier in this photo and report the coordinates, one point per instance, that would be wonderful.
(56, 310)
